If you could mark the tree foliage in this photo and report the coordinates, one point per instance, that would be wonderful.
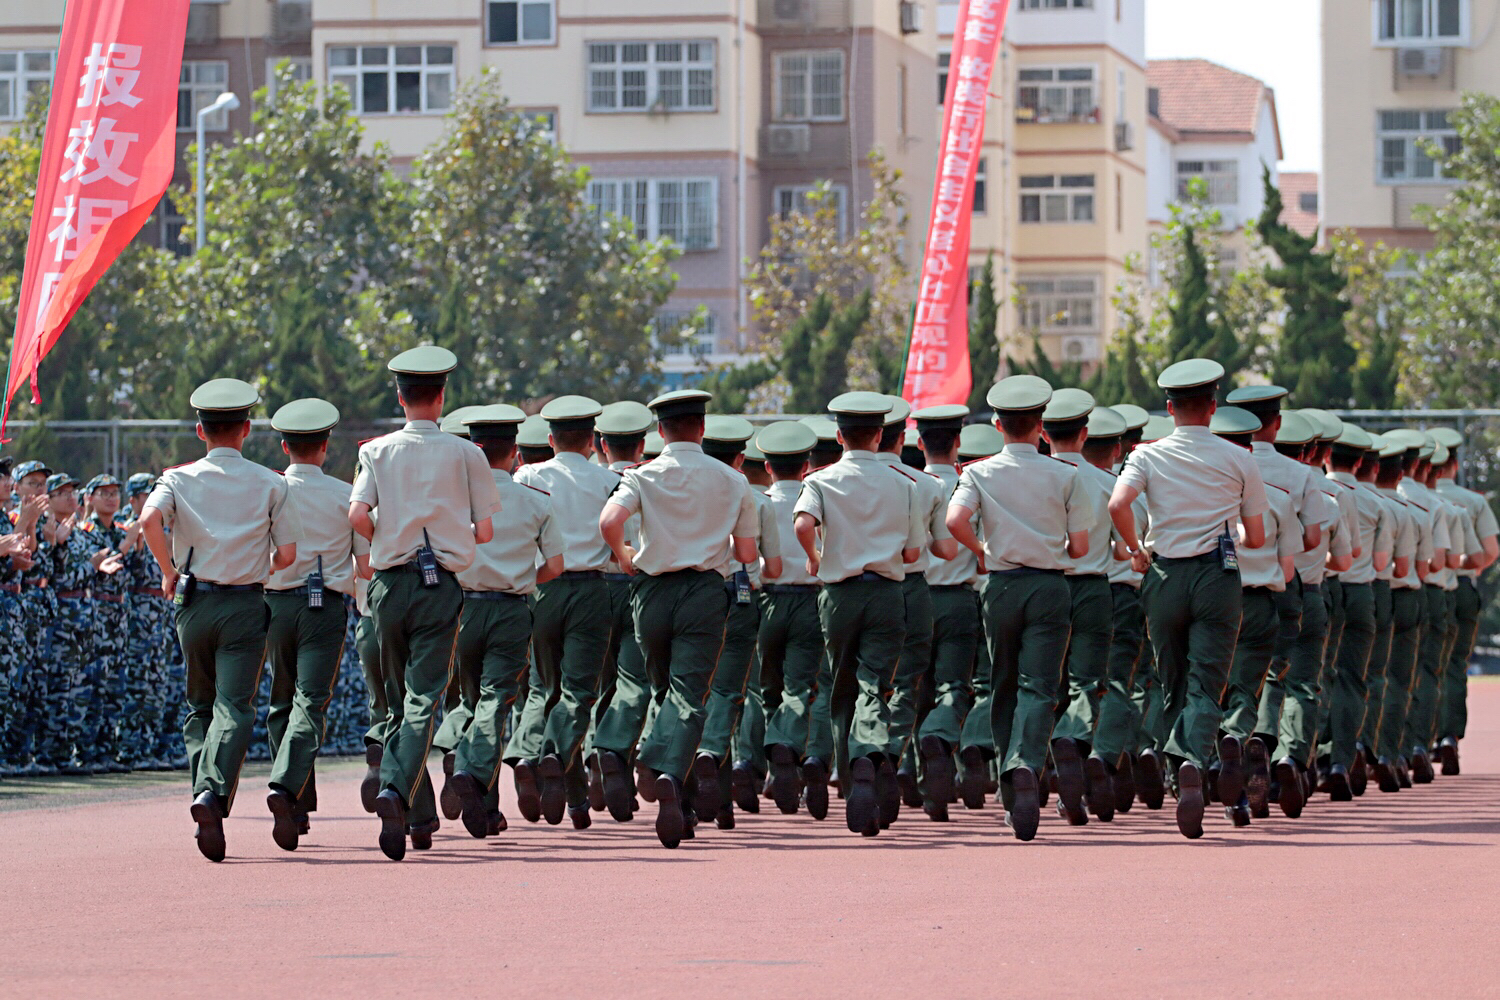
(1377, 315)
(984, 344)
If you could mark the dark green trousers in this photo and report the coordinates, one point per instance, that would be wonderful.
(1119, 719)
(1146, 696)
(1450, 641)
(916, 653)
(223, 637)
(1406, 636)
(726, 695)
(1421, 711)
(1193, 612)
(1299, 711)
(1273, 693)
(1380, 654)
(417, 629)
(679, 624)
(956, 637)
(978, 729)
(367, 645)
(1467, 606)
(492, 640)
(864, 628)
(621, 636)
(1333, 601)
(620, 713)
(1346, 682)
(1026, 622)
(791, 649)
(1082, 685)
(304, 647)
(1259, 625)
(749, 745)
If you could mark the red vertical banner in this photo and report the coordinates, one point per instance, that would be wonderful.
(107, 158)
(937, 361)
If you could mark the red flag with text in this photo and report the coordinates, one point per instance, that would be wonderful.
(937, 361)
(107, 158)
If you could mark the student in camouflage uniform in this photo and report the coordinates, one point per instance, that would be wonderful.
(38, 609)
(153, 650)
(118, 697)
(12, 629)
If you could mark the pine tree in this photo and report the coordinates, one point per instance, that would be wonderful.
(984, 347)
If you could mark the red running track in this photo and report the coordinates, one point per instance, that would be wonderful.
(1388, 896)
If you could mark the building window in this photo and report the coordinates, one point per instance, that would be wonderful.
(1399, 144)
(1059, 304)
(982, 187)
(545, 122)
(649, 76)
(1421, 22)
(675, 322)
(519, 22)
(685, 210)
(793, 199)
(1056, 4)
(945, 60)
(301, 67)
(1051, 94)
(394, 79)
(810, 86)
(1222, 177)
(199, 85)
(1119, 202)
(1307, 201)
(1057, 198)
(21, 75)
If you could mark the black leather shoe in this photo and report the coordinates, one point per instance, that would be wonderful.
(815, 787)
(724, 818)
(862, 806)
(669, 821)
(1448, 753)
(1239, 813)
(1125, 784)
(706, 789)
(1101, 788)
(1421, 767)
(579, 814)
(937, 763)
(497, 823)
(1231, 770)
(284, 828)
(392, 813)
(210, 819)
(1338, 784)
(742, 787)
(370, 786)
(1069, 768)
(1358, 774)
(472, 807)
(554, 793)
(619, 797)
(1289, 788)
(1403, 772)
(783, 778)
(304, 825)
(528, 795)
(1190, 801)
(596, 786)
(888, 793)
(1148, 780)
(975, 774)
(1025, 812)
(421, 835)
(1211, 783)
(448, 800)
(906, 783)
(1258, 778)
(645, 782)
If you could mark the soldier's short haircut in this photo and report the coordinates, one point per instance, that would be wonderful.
(786, 466)
(939, 440)
(1193, 407)
(686, 423)
(622, 444)
(1291, 450)
(421, 395)
(572, 440)
(1098, 448)
(1020, 423)
(860, 438)
(891, 435)
(497, 449)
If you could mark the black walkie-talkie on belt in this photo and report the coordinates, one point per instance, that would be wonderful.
(185, 583)
(1229, 560)
(427, 562)
(315, 586)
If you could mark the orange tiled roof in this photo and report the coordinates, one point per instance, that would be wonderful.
(1204, 101)
(1293, 186)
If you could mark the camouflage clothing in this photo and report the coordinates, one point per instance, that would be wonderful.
(12, 661)
(69, 723)
(117, 716)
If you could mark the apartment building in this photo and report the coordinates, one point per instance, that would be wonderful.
(1393, 71)
(1211, 123)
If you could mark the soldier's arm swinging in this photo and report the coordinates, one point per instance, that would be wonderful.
(1123, 516)
(1253, 531)
(1078, 544)
(359, 520)
(550, 570)
(806, 527)
(484, 531)
(161, 549)
(284, 556)
(963, 532)
(744, 549)
(612, 521)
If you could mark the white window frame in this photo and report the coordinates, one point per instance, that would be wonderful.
(1059, 199)
(789, 198)
(1223, 185)
(351, 76)
(1047, 304)
(25, 78)
(545, 118)
(202, 94)
(520, 6)
(302, 70)
(1064, 82)
(702, 345)
(781, 76)
(1394, 13)
(1412, 155)
(642, 200)
(609, 76)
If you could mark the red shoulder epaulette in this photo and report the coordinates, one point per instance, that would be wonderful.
(974, 461)
(908, 475)
(637, 465)
(1275, 487)
(530, 487)
(182, 465)
(1064, 461)
(1344, 485)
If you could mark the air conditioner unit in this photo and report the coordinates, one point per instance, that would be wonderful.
(792, 11)
(911, 17)
(202, 24)
(1080, 348)
(788, 140)
(291, 21)
(1421, 61)
(1124, 136)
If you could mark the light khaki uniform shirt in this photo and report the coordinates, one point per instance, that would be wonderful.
(526, 534)
(769, 541)
(1431, 510)
(1097, 487)
(1403, 529)
(782, 497)
(1194, 484)
(1337, 537)
(423, 480)
(578, 489)
(690, 506)
(1375, 525)
(932, 508)
(1421, 534)
(230, 513)
(1123, 570)
(322, 503)
(1479, 511)
(632, 526)
(1262, 567)
(1310, 502)
(1029, 503)
(964, 567)
(868, 515)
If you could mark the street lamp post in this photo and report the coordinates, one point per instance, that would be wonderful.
(225, 102)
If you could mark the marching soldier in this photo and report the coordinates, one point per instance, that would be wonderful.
(435, 497)
(1414, 543)
(1194, 485)
(308, 618)
(233, 524)
(1466, 544)
(976, 742)
(533, 442)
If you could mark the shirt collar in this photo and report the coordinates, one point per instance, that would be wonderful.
(619, 466)
(1020, 448)
(421, 425)
(676, 446)
(304, 469)
(1444, 481)
(501, 476)
(1347, 478)
(1076, 457)
(786, 486)
(888, 457)
(224, 453)
(1191, 430)
(942, 465)
(1263, 448)
(570, 458)
(860, 455)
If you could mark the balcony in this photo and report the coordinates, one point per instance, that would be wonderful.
(802, 144)
(800, 17)
(1026, 115)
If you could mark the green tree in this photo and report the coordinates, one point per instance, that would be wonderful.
(1196, 328)
(984, 344)
(1067, 374)
(1376, 317)
(1314, 359)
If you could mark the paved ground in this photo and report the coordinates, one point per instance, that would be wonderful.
(1390, 896)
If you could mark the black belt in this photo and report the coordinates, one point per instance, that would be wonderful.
(111, 598)
(867, 576)
(491, 595)
(946, 587)
(228, 588)
(1089, 576)
(792, 588)
(72, 594)
(290, 592)
(617, 577)
(1316, 588)
(916, 574)
(415, 567)
(580, 574)
(1259, 590)
(1025, 571)
(1212, 555)
(152, 591)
